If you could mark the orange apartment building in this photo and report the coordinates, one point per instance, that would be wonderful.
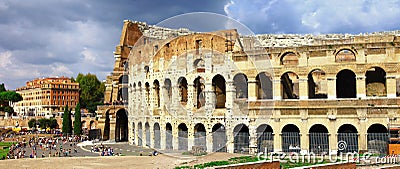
(47, 96)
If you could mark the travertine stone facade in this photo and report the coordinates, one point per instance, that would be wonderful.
(226, 92)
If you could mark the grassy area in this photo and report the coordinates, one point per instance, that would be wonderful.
(235, 160)
(4, 148)
(300, 164)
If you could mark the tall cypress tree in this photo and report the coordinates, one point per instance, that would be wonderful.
(78, 122)
(67, 122)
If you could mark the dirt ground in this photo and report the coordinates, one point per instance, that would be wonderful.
(161, 161)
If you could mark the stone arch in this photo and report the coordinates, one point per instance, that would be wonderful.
(157, 136)
(219, 86)
(290, 138)
(156, 88)
(265, 138)
(121, 126)
(289, 58)
(140, 134)
(377, 139)
(219, 138)
(106, 135)
(147, 71)
(147, 88)
(318, 139)
(147, 131)
(290, 85)
(241, 139)
(264, 86)
(375, 82)
(347, 138)
(168, 136)
(199, 65)
(92, 125)
(200, 136)
(84, 125)
(183, 90)
(346, 86)
(345, 55)
(317, 84)
(199, 86)
(241, 85)
(182, 137)
(168, 90)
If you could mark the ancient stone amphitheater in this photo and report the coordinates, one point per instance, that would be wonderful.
(221, 91)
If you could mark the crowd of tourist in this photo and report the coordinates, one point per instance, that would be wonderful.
(42, 147)
(104, 151)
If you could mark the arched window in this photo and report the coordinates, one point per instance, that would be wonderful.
(346, 84)
(240, 83)
(289, 58)
(156, 85)
(218, 83)
(290, 85)
(317, 84)
(200, 96)
(345, 55)
(375, 82)
(183, 87)
(264, 86)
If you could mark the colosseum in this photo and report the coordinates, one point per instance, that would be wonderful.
(174, 89)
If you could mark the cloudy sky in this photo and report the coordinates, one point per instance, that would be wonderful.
(41, 38)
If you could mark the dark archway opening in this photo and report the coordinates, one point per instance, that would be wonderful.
(106, 135)
(157, 136)
(200, 136)
(264, 86)
(347, 139)
(168, 136)
(317, 85)
(265, 138)
(182, 137)
(378, 139)
(219, 138)
(147, 131)
(291, 138)
(241, 139)
(346, 84)
(375, 82)
(199, 87)
(318, 139)
(240, 83)
(121, 126)
(183, 87)
(218, 83)
(140, 134)
(290, 85)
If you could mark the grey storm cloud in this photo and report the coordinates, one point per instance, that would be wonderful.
(42, 38)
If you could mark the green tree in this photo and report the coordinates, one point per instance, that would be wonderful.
(43, 123)
(2, 88)
(7, 96)
(53, 123)
(77, 121)
(67, 121)
(32, 123)
(92, 91)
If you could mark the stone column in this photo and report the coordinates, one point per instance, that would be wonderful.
(209, 140)
(360, 81)
(362, 136)
(277, 89)
(210, 98)
(230, 94)
(303, 88)
(391, 86)
(278, 141)
(252, 89)
(112, 129)
(253, 139)
(331, 87)
(163, 136)
(190, 140)
(175, 137)
(191, 96)
(230, 138)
